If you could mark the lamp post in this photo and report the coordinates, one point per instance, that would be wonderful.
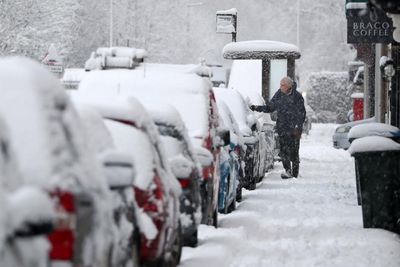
(298, 25)
(111, 23)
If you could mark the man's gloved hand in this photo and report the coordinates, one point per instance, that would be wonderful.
(253, 107)
(297, 133)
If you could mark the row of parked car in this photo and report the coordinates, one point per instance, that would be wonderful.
(121, 171)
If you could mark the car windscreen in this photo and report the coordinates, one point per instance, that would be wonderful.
(135, 142)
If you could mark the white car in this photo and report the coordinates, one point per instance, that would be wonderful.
(26, 214)
(248, 125)
(50, 148)
(186, 87)
(120, 172)
(156, 189)
(340, 137)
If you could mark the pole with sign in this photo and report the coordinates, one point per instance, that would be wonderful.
(53, 61)
(367, 27)
(227, 22)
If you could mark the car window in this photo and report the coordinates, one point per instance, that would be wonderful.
(137, 143)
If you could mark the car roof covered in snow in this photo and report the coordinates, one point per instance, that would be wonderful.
(260, 49)
(173, 78)
(177, 85)
(116, 107)
(46, 133)
(128, 109)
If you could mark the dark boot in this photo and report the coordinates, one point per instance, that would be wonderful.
(286, 175)
(295, 168)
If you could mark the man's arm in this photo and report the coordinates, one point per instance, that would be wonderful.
(269, 107)
(301, 111)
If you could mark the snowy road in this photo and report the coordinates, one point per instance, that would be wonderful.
(311, 221)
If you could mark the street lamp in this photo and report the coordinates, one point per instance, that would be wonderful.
(386, 66)
(111, 23)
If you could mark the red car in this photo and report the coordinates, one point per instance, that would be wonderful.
(156, 190)
(186, 87)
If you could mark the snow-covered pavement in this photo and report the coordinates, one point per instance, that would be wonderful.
(310, 221)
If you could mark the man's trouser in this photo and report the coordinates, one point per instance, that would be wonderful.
(289, 153)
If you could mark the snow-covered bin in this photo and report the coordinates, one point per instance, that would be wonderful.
(374, 129)
(377, 163)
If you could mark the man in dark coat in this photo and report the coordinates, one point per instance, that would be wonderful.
(291, 112)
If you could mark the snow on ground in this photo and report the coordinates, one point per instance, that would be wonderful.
(310, 221)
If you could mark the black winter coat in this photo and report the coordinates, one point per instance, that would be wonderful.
(290, 109)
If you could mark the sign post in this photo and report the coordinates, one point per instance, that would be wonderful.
(53, 61)
(365, 26)
(227, 22)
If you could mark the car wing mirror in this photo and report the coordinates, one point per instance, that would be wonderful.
(31, 212)
(203, 156)
(181, 167)
(118, 168)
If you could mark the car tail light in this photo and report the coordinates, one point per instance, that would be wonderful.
(207, 143)
(62, 239)
(208, 172)
(184, 182)
(146, 200)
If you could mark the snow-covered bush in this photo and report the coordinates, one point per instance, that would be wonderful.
(328, 96)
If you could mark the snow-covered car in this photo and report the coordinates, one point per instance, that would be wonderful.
(184, 165)
(182, 86)
(232, 155)
(26, 214)
(156, 190)
(119, 170)
(340, 137)
(51, 151)
(268, 146)
(248, 126)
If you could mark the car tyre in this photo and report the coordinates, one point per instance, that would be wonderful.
(232, 206)
(135, 250)
(193, 240)
(239, 193)
(215, 219)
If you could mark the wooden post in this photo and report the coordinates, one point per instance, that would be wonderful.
(291, 68)
(265, 77)
(395, 88)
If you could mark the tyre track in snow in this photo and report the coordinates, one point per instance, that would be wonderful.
(310, 221)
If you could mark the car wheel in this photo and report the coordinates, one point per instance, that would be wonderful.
(239, 193)
(192, 240)
(232, 206)
(215, 219)
(173, 257)
(253, 183)
(226, 204)
(135, 250)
